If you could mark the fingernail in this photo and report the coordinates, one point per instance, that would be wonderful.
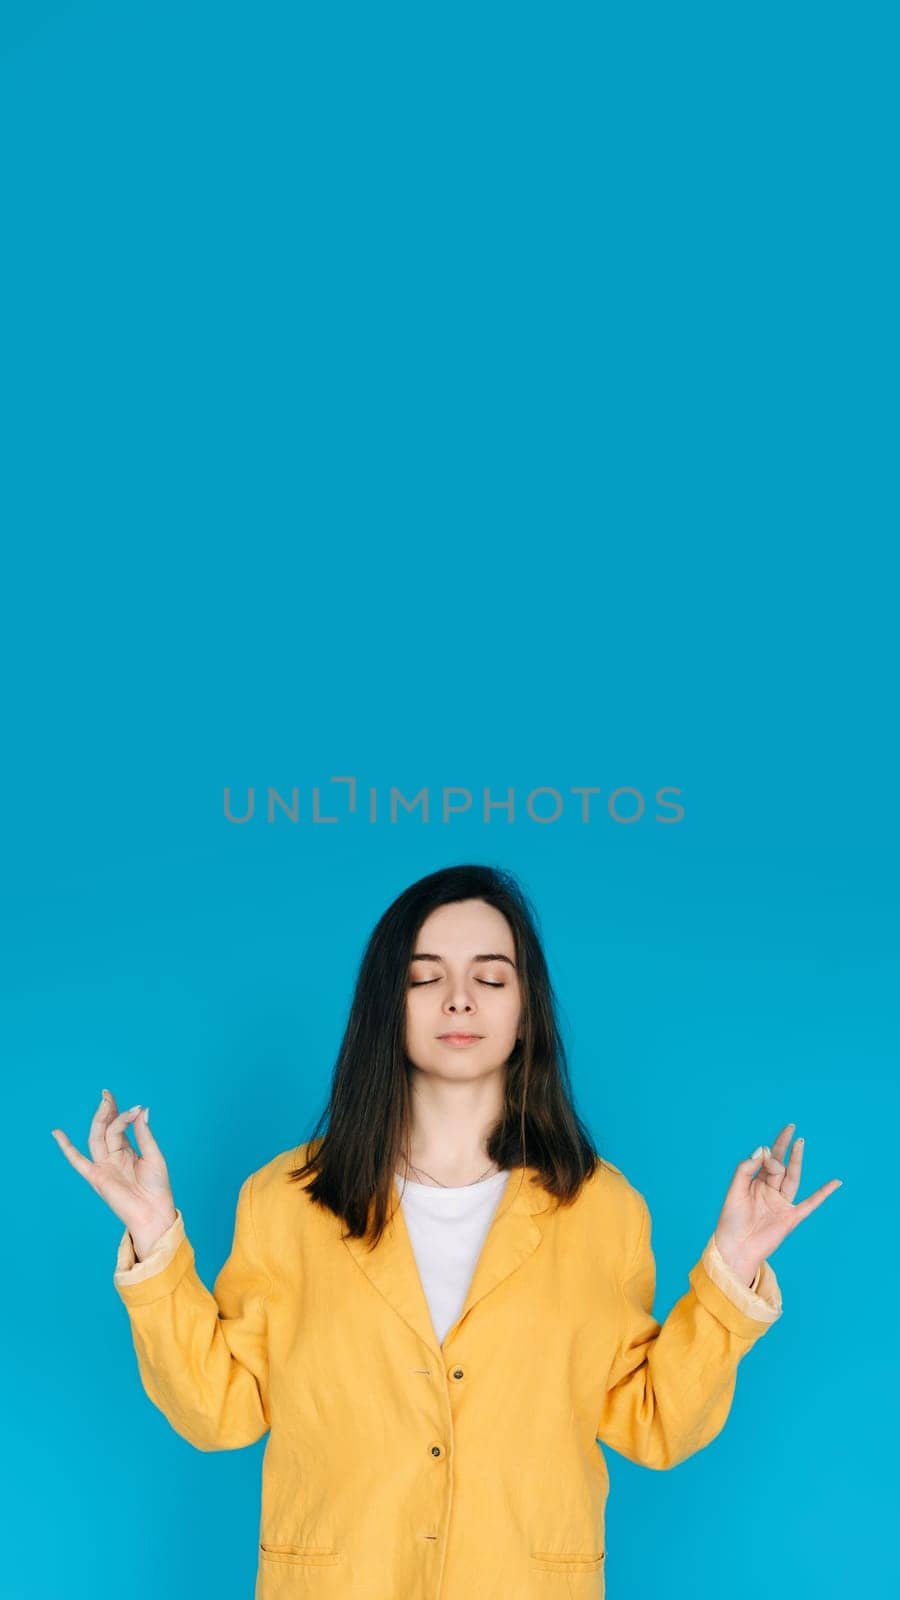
(135, 1108)
(754, 1154)
(146, 1113)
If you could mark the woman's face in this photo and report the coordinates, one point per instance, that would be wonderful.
(463, 979)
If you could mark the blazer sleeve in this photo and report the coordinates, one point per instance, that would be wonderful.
(202, 1357)
(671, 1384)
(761, 1299)
(130, 1270)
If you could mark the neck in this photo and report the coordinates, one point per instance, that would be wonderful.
(448, 1129)
(439, 1169)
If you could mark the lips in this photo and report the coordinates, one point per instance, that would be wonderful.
(459, 1038)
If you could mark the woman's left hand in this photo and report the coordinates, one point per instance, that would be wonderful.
(759, 1212)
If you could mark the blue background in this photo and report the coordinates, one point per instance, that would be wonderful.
(483, 396)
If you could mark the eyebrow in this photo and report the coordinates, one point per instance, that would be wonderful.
(427, 955)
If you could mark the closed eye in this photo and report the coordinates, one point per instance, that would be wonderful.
(420, 983)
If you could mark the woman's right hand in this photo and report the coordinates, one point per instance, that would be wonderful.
(135, 1187)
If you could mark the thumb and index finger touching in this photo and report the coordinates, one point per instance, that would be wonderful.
(107, 1137)
(763, 1154)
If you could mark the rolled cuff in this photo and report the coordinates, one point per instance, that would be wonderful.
(760, 1300)
(130, 1270)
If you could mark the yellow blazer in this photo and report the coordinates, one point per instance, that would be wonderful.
(399, 1468)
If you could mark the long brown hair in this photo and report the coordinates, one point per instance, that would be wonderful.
(368, 1107)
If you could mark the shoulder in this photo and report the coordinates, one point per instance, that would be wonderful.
(614, 1201)
(271, 1184)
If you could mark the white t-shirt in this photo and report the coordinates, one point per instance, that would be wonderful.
(447, 1228)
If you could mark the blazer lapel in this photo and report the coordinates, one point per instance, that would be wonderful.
(512, 1237)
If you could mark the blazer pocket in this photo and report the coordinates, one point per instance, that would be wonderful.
(311, 1555)
(553, 1561)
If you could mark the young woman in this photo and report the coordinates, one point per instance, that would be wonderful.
(440, 1307)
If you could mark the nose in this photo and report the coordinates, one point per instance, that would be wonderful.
(460, 1002)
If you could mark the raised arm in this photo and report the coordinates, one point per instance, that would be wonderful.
(671, 1385)
(202, 1356)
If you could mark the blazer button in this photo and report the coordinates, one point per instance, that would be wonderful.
(436, 1450)
(457, 1372)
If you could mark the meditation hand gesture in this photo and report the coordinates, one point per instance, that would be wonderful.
(135, 1187)
(759, 1212)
